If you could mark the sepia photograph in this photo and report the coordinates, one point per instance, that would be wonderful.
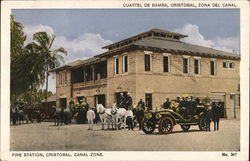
(96, 80)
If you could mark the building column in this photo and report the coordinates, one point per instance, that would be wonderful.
(84, 75)
(237, 105)
(227, 106)
(93, 72)
(71, 84)
(229, 112)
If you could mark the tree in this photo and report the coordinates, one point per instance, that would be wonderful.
(34, 97)
(46, 57)
(16, 55)
(30, 64)
(27, 73)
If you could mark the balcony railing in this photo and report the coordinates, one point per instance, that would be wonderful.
(102, 81)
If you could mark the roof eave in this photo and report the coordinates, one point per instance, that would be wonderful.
(236, 57)
(58, 69)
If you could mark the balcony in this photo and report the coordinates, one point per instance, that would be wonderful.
(90, 84)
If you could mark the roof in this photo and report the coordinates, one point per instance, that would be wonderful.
(146, 34)
(146, 42)
(184, 47)
(176, 47)
(75, 63)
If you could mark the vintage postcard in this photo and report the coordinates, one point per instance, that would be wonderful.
(124, 80)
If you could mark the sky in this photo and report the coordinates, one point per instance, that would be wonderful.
(83, 32)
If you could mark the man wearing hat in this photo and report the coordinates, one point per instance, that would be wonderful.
(141, 104)
(216, 115)
(128, 101)
(167, 104)
(122, 101)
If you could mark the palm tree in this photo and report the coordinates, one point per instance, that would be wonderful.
(47, 58)
(17, 84)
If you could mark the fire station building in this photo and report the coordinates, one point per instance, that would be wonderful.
(152, 65)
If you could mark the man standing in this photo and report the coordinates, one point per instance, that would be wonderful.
(128, 102)
(122, 101)
(193, 105)
(140, 112)
(71, 102)
(129, 119)
(90, 118)
(66, 117)
(141, 104)
(190, 107)
(167, 104)
(183, 107)
(207, 115)
(216, 115)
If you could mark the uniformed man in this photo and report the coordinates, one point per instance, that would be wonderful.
(181, 106)
(128, 102)
(188, 105)
(167, 104)
(178, 100)
(184, 106)
(90, 115)
(141, 104)
(139, 116)
(197, 100)
(66, 114)
(53, 111)
(216, 115)
(71, 102)
(129, 119)
(122, 101)
(207, 115)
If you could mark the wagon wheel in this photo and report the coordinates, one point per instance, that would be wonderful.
(148, 126)
(166, 125)
(185, 127)
(202, 123)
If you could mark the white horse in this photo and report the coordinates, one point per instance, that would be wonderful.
(120, 115)
(105, 115)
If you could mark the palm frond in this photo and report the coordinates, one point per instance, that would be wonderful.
(42, 38)
(61, 50)
(51, 40)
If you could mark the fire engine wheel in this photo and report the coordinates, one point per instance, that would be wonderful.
(202, 123)
(166, 125)
(185, 127)
(148, 126)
